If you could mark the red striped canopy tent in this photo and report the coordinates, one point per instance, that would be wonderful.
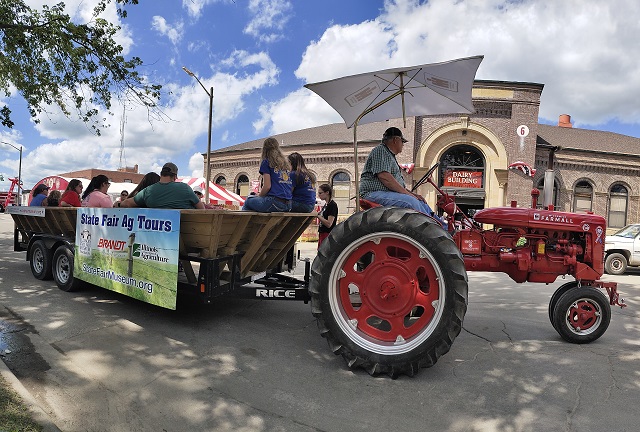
(217, 194)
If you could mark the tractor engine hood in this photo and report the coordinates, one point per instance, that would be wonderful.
(511, 217)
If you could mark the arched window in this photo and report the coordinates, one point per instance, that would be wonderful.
(582, 197)
(540, 187)
(341, 184)
(242, 187)
(220, 180)
(618, 198)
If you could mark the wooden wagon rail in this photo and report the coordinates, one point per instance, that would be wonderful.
(262, 238)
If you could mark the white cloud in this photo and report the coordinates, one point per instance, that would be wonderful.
(298, 110)
(196, 164)
(150, 145)
(269, 19)
(174, 33)
(583, 51)
(195, 7)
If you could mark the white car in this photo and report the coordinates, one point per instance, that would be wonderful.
(622, 249)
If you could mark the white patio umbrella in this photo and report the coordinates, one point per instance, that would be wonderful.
(429, 89)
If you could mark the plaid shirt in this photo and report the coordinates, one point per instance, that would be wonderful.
(379, 160)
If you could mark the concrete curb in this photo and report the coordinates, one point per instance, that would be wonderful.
(38, 414)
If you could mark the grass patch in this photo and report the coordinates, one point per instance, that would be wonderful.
(14, 413)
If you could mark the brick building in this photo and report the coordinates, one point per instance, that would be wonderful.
(594, 170)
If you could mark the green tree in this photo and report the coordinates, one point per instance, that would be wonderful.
(51, 60)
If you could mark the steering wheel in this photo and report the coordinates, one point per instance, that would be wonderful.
(425, 177)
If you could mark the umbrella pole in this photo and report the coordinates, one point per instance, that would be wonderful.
(355, 137)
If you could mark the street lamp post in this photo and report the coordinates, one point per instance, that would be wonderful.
(210, 94)
(19, 193)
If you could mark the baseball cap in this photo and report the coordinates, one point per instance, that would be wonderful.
(169, 169)
(197, 190)
(393, 132)
(40, 188)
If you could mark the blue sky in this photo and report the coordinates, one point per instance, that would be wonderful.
(258, 54)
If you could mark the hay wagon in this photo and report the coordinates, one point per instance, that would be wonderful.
(219, 252)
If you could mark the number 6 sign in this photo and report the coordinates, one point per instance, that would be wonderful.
(522, 131)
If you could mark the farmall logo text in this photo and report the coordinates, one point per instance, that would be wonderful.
(116, 245)
(552, 218)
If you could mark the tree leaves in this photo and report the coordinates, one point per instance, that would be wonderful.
(79, 67)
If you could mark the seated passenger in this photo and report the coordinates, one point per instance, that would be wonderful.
(96, 193)
(381, 180)
(304, 194)
(276, 192)
(148, 179)
(39, 195)
(71, 195)
(53, 199)
(167, 193)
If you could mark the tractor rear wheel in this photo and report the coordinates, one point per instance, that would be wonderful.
(582, 315)
(389, 291)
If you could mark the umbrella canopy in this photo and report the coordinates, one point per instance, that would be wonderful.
(429, 89)
(217, 194)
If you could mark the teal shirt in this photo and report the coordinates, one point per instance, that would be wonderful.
(173, 195)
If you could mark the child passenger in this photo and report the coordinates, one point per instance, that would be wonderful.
(276, 192)
(304, 192)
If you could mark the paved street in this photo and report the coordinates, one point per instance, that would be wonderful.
(95, 360)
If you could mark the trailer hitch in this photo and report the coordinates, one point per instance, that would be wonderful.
(612, 291)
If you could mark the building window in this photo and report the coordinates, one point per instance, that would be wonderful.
(618, 198)
(220, 180)
(341, 184)
(582, 197)
(540, 187)
(242, 187)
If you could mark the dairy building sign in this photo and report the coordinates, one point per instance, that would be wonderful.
(463, 178)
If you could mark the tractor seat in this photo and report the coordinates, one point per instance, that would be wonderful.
(366, 204)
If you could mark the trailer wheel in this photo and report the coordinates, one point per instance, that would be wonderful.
(582, 315)
(556, 295)
(40, 262)
(389, 291)
(63, 269)
(615, 264)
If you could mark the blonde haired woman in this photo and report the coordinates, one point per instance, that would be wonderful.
(276, 192)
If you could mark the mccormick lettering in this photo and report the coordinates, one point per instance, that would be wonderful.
(117, 245)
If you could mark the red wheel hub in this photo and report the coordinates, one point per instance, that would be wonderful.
(388, 289)
(582, 315)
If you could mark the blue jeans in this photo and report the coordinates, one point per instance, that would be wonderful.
(395, 199)
(266, 204)
(300, 207)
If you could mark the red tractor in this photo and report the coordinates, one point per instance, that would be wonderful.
(389, 286)
(7, 199)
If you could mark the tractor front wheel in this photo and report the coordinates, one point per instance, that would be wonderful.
(389, 291)
(556, 295)
(582, 315)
